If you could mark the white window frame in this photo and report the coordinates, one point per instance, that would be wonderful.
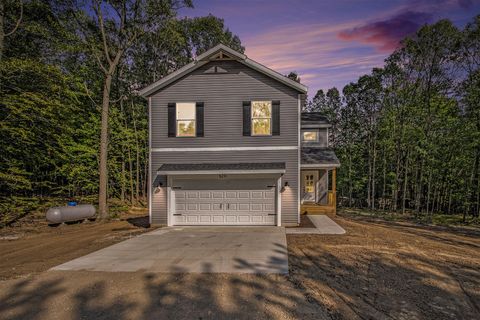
(194, 120)
(252, 118)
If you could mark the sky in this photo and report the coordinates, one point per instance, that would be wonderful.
(328, 42)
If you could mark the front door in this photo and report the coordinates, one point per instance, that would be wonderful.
(309, 180)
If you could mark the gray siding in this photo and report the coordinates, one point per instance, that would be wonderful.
(223, 94)
(289, 196)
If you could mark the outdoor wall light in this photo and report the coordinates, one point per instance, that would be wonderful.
(157, 188)
(286, 184)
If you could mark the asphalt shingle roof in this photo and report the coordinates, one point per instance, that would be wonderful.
(323, 156)
(313, 118)
(221, 166)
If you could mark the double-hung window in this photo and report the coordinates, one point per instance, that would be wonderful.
(186, 119)
(261, 117)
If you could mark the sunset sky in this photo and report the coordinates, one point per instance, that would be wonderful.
(328, 42)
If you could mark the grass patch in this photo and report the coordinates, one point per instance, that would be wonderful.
(435, 219)
(14, 208)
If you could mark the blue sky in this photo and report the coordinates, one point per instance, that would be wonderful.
(328, 42)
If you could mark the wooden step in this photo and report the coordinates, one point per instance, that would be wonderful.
(311, 209)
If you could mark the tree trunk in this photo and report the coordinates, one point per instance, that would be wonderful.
(122, 193)
(103, 183)
(2, 31)
(374, 163)
(137, 148)
(384, 180)
(405, 182)
(130, 164)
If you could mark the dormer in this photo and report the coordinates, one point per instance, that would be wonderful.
(314, 129)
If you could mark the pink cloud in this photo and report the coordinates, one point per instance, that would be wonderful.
(385, 35)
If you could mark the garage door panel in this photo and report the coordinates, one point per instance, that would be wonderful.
(256, 195)
(225, 207)
(192, 195)
(269, 207)
(243, 206)
(244, 195)
(217, 194)
(205, 206)
(205, 195)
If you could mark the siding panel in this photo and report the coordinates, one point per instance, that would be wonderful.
(223, 95)
(289, 196)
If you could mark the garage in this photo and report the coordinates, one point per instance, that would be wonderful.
(225, 207)
(230, 196)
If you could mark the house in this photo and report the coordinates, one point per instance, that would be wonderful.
(229, 146)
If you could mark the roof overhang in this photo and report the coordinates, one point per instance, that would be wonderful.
(222, 168)
(313, 157)
(320, 166)
(211, 55)
(316, 126)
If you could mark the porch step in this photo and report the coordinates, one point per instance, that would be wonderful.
(315, 209)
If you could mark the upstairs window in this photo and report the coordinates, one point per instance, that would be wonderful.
(186, 119)
(261, 118)
(310, 136)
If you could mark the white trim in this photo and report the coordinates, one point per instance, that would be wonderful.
(275, 75)
(149, 190)
(225, 149)
(193, 172)
(319, 166)
(279, 201)
(204, 58)
(170, 202)
(299, 157)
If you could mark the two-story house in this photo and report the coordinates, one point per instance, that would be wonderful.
(229, 146)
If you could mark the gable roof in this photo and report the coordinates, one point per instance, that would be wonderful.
(212, 54)
(314, 120)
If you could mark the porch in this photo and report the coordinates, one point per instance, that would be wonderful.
(318, 173)
(324, 199)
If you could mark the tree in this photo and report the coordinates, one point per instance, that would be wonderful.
(294, 76)
(108, 30)
(4, 23)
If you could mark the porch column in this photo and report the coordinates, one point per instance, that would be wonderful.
(334, 188)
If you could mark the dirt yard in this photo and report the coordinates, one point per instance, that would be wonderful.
(32, 246)
(378, 270)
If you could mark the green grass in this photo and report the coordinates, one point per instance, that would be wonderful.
(15, 208)
(435, 219)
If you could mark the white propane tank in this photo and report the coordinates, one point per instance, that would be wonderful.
(70, 213)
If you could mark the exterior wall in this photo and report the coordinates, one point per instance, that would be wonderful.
(222, 95)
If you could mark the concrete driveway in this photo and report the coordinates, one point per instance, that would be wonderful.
(193, 250)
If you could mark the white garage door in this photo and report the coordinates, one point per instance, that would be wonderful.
(224, 207)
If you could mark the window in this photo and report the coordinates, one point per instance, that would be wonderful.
(261, 118)
(186, 119)
(309, 184)
(310, 136)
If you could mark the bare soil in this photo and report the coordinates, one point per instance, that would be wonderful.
(377, 270)
(32, 246)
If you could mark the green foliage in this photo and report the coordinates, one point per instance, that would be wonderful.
(408, 135)
(51, 95)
